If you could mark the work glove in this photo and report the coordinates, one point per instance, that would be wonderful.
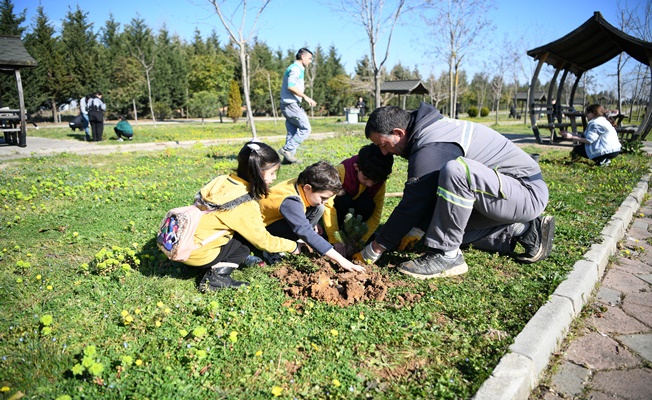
(367, 255)
(410, 239)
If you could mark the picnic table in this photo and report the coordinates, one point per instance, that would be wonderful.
(11, 126)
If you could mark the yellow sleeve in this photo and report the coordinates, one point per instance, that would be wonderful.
(374, 220)
(248, 222)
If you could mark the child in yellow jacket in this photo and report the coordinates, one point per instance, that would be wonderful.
(235, 211)
(364, 179)
(295, 206)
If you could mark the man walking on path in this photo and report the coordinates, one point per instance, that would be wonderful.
(467, 184)
(296, 120)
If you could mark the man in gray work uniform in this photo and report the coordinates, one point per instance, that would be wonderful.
(467, 184)
(296, 120)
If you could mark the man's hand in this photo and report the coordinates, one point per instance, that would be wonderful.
(410, 239)
(367, 255)
(310, 101)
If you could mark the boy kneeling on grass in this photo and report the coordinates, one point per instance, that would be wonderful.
(364, 179)
(294, 207)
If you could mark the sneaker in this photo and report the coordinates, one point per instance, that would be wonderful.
(434, 265)
(252, 261)
(604, 163)
(537, 241)
(272, 258)
(288, 158)
(120, 139)
(131, 138)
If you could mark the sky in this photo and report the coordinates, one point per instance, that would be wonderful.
(292, 24)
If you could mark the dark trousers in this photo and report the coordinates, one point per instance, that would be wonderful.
(233, 251)
(121, 134)
(580, 150)
(98, 128)
(364, 205)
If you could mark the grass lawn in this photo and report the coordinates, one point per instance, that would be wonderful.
(92, 309)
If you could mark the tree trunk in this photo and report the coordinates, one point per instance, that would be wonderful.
(271, 97)
(245, 87)
(149, 91)
(135, 111)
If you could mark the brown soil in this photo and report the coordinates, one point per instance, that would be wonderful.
(340, 288)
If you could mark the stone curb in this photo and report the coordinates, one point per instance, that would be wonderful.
(518, 372)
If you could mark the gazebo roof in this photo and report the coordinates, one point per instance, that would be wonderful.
(13, 54)
(404, 87)
(538, 96)
(592, 44)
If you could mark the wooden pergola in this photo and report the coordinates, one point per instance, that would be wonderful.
(13, 57)
(404, 88)
(592, 44)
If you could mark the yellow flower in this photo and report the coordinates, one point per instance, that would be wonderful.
(38, 277)
(139, 362)
(233, 336)
(336, 383)
(124, 313)
(361, 316)
(167, 310)
(129, 319)
(334, 332)
(5, 389)
(259, 353)
(75, 234)
(137, 311)
(277, 390)
(49, 287)
(158, 323)
(159, 304)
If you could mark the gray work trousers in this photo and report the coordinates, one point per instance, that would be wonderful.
(477, 205)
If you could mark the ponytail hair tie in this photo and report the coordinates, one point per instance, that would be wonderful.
(253, 147)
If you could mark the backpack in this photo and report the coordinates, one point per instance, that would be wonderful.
(77, 123)
(176, 234)
(176, 237)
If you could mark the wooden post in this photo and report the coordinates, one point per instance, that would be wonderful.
(22, 137)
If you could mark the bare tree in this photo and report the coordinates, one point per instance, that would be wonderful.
(378, 20)
(141, 47)
(241, 40)
(462, 23)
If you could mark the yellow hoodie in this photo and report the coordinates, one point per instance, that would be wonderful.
(245, 219)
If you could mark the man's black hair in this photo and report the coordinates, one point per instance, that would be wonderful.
(385, 119)
(302, 51)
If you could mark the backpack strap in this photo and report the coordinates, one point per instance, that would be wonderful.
(211, 238)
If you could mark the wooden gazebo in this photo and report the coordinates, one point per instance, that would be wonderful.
(13, 57)
(404, 88)
(592, 44)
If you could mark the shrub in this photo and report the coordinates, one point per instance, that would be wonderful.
(473, 111)
(235, 102)
(484, 111)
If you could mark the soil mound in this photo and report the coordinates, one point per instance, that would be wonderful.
(339, 288)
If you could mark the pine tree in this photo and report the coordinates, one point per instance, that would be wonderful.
(351, 233)
(10, 24)
(49, 80)
(235, 102)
